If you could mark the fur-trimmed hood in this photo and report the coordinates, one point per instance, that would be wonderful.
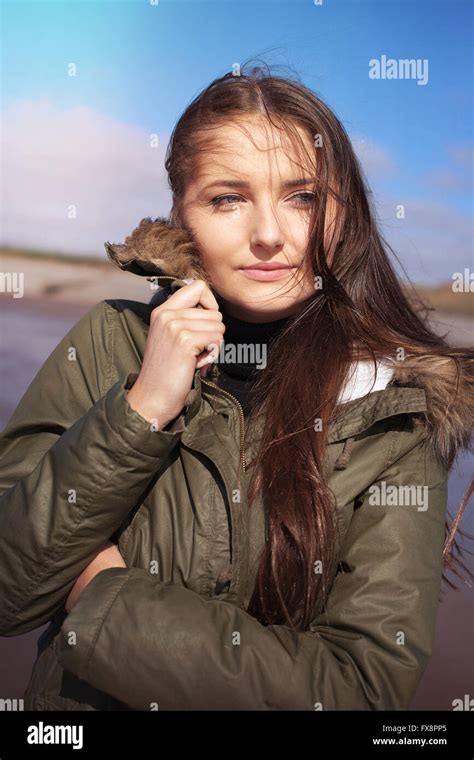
(156, 249)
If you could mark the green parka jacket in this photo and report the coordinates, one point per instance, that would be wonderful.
(79, 466)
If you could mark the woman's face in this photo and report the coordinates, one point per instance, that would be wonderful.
(242, 211)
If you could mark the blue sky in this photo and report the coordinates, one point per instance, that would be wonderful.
(77, 139)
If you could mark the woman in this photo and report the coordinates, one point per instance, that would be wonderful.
(227, 530)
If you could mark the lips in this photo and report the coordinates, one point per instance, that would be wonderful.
(267, 267)
(265, 274)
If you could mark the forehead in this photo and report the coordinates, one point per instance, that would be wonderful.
(254, 148)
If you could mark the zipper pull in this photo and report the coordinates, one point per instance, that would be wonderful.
(215, 372)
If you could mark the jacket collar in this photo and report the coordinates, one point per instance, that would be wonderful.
(431, 384)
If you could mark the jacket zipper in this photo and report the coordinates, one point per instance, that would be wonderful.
(242, 422)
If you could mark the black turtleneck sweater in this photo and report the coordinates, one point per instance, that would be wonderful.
(234, 374)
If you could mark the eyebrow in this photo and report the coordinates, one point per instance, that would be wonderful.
(240, 183)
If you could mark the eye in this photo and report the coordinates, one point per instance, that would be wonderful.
(300, 199)
(220, 200)
(305, 198)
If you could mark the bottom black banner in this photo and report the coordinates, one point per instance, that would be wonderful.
(374, 734)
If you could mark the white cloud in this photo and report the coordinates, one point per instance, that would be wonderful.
(432, 241)
(446, 179)
(458, 176)
(462, 154)
(55, 158)
(376, 161)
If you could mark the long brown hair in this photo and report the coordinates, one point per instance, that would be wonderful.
(360, 311)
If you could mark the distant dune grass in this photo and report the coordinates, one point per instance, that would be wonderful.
(440, 297)
(443, 298)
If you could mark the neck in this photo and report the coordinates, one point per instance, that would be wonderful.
(249, 316)
(246, 344)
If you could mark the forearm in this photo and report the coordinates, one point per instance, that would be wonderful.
(55, 517)
(106, 557)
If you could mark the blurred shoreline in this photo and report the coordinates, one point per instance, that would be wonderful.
(61, 281)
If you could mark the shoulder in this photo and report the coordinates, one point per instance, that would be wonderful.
(114, 307)
(108, 340)
(100, 324)
(434, 393)
(114, 314)
(448, 384)
(127, 309)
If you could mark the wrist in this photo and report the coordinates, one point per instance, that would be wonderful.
(140, 404)
(85, 578)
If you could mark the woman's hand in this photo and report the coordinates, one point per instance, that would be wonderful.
(181, 338)
(107, 556)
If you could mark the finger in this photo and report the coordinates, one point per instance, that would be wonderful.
(201, 341)
(195, 313)
(198, 325)
(210, 358)
(198, 292)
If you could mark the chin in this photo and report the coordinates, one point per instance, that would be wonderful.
(264, 300)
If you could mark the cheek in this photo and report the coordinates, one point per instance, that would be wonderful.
(296, 231)
(219, 250)
(217, 265)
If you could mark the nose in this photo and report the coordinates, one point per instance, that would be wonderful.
(267, 230)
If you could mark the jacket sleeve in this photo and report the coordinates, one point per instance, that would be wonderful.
(161, 646)
(64, 455)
